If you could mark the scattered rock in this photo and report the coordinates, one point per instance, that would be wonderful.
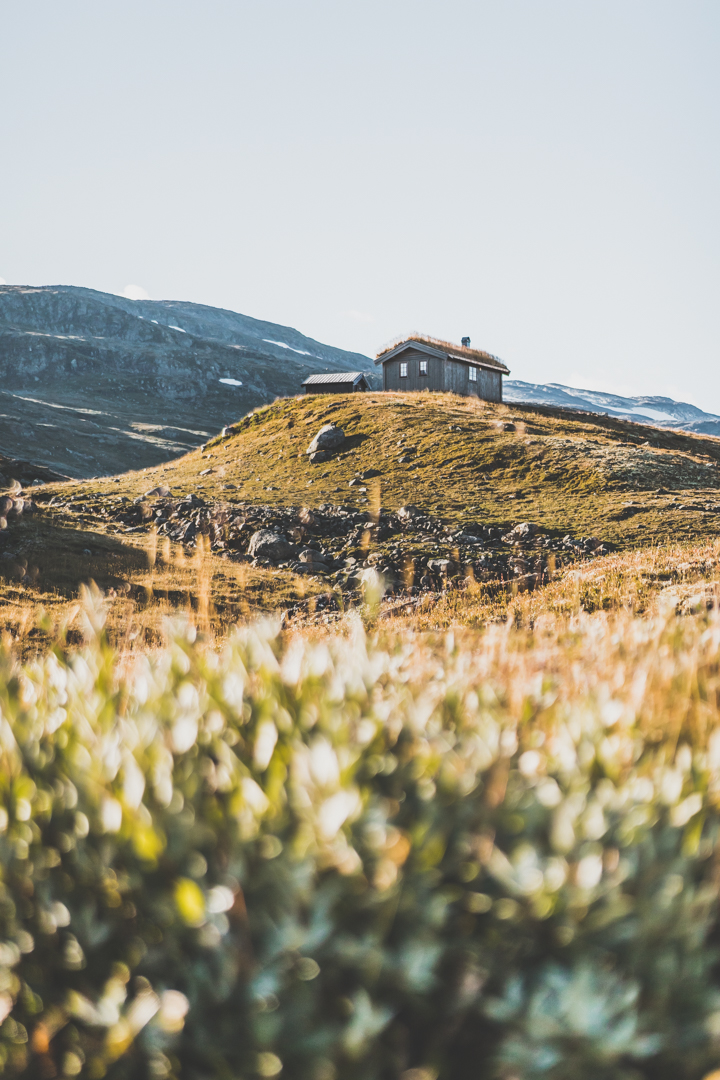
(444, 567)
(314, 557)
(409, 513)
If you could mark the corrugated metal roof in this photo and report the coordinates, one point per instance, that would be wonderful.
(334, 377)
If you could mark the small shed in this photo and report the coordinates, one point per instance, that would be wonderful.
(419, 362)
(336, 382)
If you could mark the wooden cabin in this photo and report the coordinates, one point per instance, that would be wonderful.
(337, 382)
(418, 362)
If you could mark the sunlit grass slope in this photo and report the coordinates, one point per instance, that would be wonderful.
(465, 460)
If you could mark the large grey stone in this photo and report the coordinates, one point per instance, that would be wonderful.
(329, 437)
(268, 544)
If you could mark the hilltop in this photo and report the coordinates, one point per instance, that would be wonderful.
(461, 459)
(93, 383)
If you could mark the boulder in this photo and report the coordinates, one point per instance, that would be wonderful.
(318, 456)
(329, 437)
(161, 491)
(268, 544)
(525, 530)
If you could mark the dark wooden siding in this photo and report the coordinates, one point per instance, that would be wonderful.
(332, 388)
(449, 375)
(457, 381)
(434, 380)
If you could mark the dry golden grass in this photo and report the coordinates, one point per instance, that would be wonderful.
(145, 582)
(687, 576)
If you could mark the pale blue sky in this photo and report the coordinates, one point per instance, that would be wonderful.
(543, 175)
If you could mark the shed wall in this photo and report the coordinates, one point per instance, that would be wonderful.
(333, 388)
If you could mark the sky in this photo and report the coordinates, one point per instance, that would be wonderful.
(539, 175)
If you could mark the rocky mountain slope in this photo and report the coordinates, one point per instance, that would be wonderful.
(92, 383)
(661, 411)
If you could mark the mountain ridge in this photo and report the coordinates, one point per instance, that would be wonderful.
(93, 382)
(661, 411)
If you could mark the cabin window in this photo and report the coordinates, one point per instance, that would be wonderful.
(472, 374)
(403, 371)
(423, 367)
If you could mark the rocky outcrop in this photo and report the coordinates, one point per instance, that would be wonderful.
(408, 552)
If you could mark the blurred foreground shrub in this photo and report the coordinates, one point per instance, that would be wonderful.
(328, 860)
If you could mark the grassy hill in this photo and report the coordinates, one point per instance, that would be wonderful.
(473, 469)
(627, 483)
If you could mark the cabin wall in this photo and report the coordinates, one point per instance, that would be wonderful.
(457, 381)
(434, 380)
(448, 375)
(489, 385)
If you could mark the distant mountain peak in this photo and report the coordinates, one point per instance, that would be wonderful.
(657, 410)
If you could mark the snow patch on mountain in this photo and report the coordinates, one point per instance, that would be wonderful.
(284, 345)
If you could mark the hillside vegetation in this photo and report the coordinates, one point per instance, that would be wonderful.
(594, 489)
